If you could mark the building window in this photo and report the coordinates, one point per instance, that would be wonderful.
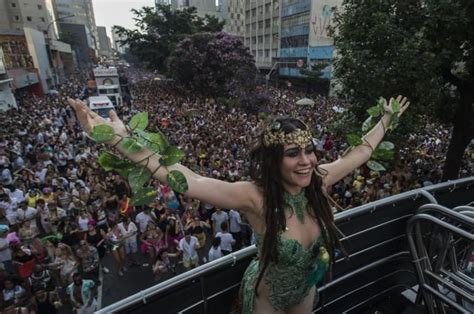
(17, 18)
(267, 53)
(267, 23)
(40, 7)
(13, 5)
(28, 18)
(43, 20)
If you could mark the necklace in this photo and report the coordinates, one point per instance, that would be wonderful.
(297, 204)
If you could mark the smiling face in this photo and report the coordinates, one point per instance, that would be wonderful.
(297, 167)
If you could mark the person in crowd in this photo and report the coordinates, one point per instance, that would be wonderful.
(217, 218)
(14, 292)
(144, 217)
(235, 228)
(227, 240)
(5, 250)
(215, 251)
(129, 231)
(197, 228)
(285, 203)
(188, 247)
(65, 262)
(97, 240)
(41, 279)
(116, 239)
(89, 260)
(45, 301)
(82, 294)
(152, 241)
(163, 264)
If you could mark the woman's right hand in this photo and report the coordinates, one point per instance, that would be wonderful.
(89, 119)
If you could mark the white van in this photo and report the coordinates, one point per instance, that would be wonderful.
(111, 91)
(101, 105)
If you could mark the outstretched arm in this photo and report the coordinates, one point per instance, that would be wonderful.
(240, 195)
(358, 156)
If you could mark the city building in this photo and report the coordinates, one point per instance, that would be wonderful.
(203, 7)
(233, 13)
(304, 36)
(7, 99)
(16, 14)
(116, 42)
(18, 62)
(80, 39)
(104, 42)
(262, 27)
(79, 12)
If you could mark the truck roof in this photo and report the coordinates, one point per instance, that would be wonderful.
(99, 99)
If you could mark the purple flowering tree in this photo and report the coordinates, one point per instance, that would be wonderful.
(214, 64)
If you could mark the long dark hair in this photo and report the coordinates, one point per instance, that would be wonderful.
(265, 171)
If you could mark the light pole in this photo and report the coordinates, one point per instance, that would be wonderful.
(50, 52)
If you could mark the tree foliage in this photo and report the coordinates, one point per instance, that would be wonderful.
(216, 64)
(423, 49)
(160, 29)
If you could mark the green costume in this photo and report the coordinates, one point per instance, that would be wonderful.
(290, 280)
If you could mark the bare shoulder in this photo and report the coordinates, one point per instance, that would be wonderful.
(255, 194)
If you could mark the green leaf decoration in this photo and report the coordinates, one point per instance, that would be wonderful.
(374, 111)
(131, 145)
(380, 103)
(171, 156)
(368, 124)
(103, 133)
(138, 176)
(393, 122)
(144, 196)
(375, 166)
(353, 139)
(139, 121)
(395, 106)
(177, 181)
(109, 161)
(155, 141)
(386, 145)
(383, 154)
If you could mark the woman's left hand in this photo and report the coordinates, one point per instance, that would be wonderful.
(404, 103)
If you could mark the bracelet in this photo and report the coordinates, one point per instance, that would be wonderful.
(366, 143)
(383, 126)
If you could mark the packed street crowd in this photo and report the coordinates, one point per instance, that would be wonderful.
(61, 214)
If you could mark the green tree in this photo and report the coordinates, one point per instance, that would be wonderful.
(214, 64)
(160, 29)
(421, 49)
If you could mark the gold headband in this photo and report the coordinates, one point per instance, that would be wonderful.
(298, 137)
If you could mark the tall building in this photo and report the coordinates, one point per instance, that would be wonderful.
(104, 42)
(18, 61)
(80, 12)
(16, 14)
(304, 35)
(262, 26)
(203, 7)
(233, 13)
(116, 45)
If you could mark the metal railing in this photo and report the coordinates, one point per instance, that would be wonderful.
(356, 223)
(441, 282)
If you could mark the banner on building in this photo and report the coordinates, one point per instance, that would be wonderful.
(320, 20)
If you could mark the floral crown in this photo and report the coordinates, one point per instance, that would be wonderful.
(273, 135)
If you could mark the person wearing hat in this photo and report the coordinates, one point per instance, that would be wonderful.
(5, 251)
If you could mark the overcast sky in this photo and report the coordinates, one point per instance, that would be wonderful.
(117, 12)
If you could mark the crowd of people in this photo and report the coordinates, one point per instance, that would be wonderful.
(61, 213)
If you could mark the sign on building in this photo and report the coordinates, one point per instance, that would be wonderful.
(320, 21)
